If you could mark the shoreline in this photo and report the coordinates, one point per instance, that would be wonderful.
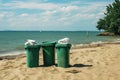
(95, 44)
(11, 55)
(74, 46)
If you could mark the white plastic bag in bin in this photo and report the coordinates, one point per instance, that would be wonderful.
(30, 42)
(64, 41)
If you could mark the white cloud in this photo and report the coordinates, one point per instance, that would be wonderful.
(31, 5)
(24, 15)
(69, 8)
(53, 16)
(2, 15)
(90, 7)
(49, 13)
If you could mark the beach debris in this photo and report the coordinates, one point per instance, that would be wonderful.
(64, 41)
(30, 42)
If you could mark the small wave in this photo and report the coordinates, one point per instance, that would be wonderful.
(12, 53)
(3, 51)
(19, 47)
(95, 44)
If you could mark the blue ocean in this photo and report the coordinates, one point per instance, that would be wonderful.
(14, 40)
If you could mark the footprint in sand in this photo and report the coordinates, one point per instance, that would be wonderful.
(73, 71)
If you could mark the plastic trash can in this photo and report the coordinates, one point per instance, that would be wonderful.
(63, 55)
(48, 49)
(32, 55)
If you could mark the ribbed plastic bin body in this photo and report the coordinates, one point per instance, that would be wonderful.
(63, 55)
(48, 53)
(32, 55)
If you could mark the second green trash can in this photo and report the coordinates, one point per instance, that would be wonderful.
(63, 55)
(48, 53)
(32, 55)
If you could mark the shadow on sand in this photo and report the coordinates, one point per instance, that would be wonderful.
(81, 65)
(74, 71)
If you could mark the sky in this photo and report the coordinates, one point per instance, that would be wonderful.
(51, 15)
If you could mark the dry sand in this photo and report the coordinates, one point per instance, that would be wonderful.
(91, 63)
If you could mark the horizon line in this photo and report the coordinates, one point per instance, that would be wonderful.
(49, 30)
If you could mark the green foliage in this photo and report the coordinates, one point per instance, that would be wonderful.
(101, 24)
(111, 21)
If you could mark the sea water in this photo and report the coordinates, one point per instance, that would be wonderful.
(14, 40)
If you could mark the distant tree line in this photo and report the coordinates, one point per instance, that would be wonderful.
(111, 21)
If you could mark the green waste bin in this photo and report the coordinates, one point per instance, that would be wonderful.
(48, 49)
(63, 55)
(32, 55)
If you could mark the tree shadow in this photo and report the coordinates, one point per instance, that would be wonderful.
(81, 65)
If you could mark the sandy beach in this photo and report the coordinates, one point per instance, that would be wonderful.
(99, 62)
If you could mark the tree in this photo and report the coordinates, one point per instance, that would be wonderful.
(111, 21)
(101, 24)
